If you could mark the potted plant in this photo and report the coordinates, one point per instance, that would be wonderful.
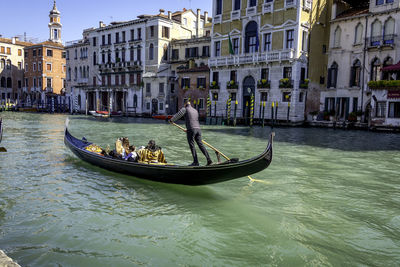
(352, 116)
(304, 84)
(214, 85)
(285, 83)
(314, 115)
(185, 88)
(358, 114)
(232, 85)
(201, 87)
(263, 83)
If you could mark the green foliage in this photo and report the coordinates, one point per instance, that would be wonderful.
(263, 84)
(382, 84)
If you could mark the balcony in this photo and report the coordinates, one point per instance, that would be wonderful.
(235, 15)
(378, 41)
(268, 7)
(384, 85)
(251, 11)
(232, 85)
(135, 40)
(290, 3)
(214, 85)
(217, 19)
(273, 56)
(285, 83)
(304, 84)
(263, 84)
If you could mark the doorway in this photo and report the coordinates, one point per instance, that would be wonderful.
(249, 85)
(154, 106)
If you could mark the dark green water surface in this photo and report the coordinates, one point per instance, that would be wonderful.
(329, 198)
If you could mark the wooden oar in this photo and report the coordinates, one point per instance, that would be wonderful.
(216, 150)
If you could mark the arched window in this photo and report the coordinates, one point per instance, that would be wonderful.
(151, 52)
(355, 74)
(76, 74)
(80, 72)
(375, 69)
(332, 75)
(386, 75)
(9, 82)
(2, 64)
(9, 64)
(3, 82)
(388, 31)
(336, 37)
(376, 33)
(358, 34)
(251, 37)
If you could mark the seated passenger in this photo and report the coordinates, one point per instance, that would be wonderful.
(151, 154)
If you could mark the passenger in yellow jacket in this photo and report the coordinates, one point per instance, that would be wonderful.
(151, 154)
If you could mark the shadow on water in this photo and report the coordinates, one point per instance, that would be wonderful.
(349, 140)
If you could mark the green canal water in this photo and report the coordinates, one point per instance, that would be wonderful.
(329, 198)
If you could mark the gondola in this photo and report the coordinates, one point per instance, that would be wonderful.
(186, 175)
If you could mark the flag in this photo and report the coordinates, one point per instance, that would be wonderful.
(230, 46)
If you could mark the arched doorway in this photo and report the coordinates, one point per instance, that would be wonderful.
(154, 106)
(249, 85)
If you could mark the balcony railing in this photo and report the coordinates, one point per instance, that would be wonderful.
(235, 14)
(386, 40)
(274, 56)
(250, 11)
(217, 19)
(290, 3)
(285, 83)
(268, 7)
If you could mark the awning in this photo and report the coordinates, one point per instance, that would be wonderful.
(392, 68)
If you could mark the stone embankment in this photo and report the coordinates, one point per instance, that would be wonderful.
(6, 261)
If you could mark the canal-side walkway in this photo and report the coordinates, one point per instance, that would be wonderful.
(6, 261)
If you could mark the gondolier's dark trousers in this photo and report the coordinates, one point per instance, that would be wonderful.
(195, 135)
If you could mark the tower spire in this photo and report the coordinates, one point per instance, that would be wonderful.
(55, 24)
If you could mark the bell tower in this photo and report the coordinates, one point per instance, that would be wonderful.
(55, 25)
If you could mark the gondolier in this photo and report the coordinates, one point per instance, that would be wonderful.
(193, 131)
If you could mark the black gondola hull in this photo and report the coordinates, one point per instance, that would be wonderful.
(186, 175)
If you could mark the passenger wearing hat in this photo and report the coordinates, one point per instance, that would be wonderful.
(193, 131)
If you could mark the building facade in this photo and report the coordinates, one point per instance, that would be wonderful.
(259, 55)
(45, 68)
(363, 43)
(11, 69)
(128, 63)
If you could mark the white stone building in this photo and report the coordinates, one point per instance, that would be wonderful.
(363, 41)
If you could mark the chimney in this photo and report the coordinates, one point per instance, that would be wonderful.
(169, 15)
(184, 9)
(13, 40)
(101, 24)
(198, 18)
(162, 11)
(205, 17)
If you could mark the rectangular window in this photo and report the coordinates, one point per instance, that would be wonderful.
(380, 109)
(19, 52)
(151, 31)
(206, 51)
(289, 39)
(20, 65)
(123, 37)
(148, 105)
(63, 54)
(109, 38)
(148, 88)
(49, 83)
(200, 103)
(201, 82)
(139, 34)
(117, 37)
(139, 54)
(34, 82)
(34, 52)
(40, 66)
(286, 96)
(287, 72)
(236, 5)
(3, 50)
(355, 104)
(40, 52)
(252, 3)
(48, 67)
(109, 79)
(161, 106)
(215, 77)
(8, 50)
(264, 74)
(116, 79)
(264, 97)
(103, 40)
(301, 97)
(40, 82)
(132, 35)
(215, 96)
(34, 66)
(217, 48)
(304, 41)
(165, 32)
(103, 80)
(380, 2)
(233, 75)
(175, 54)
(394, 110)
(161, 88)
(267, 42)
(123, 79)
(49, 52)
(138, 79)
(185, 83)
(218, 10)
(235, 44)
(94, 81)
